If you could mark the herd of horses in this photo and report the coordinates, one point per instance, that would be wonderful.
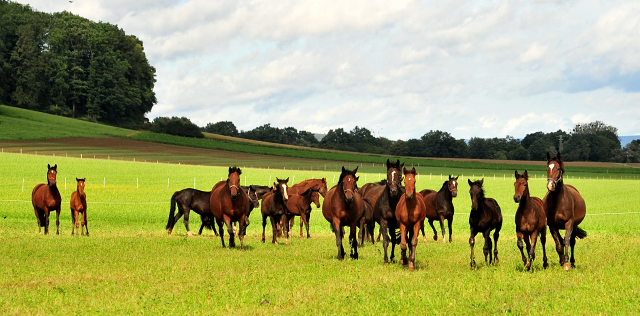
(393, 203)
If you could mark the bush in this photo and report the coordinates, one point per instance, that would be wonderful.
(179, 126)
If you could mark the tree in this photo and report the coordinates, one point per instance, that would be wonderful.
(538, 150)
(478, 148)
(226, 128)
(530, 138)
(519, 153)
(180, 126)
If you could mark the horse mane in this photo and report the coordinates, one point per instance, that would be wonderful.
(478, 183)
(345, 172)
(382, 182)
(445, 185)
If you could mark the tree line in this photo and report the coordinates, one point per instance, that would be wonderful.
(595, 141)
(65, 64)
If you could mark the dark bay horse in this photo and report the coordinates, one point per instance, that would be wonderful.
(300, 205)
(187, 200)
(274, 206)
(46, 198)
(78, 204)
(383, 199)
(531, 220)
(410, 213)
(565, 210)
(440, 206)
(342, 206)
(230, 203)
(485, 216)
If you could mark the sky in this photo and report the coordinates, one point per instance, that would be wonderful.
(398, 68)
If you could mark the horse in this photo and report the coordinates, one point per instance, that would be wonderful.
(300, 205)
(485, 216)
(341, 207)
(46, 198)
(383, 197)
(410, 213)
(78, 204)
(440, 206)
(297, 189)
(274, 207)
(531, 220)
(367, 222)
(565, 210)
(191, 199)
(230, 203)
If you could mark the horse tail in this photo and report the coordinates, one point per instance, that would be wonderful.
(208, 222)
(172, 211)
(579, 232)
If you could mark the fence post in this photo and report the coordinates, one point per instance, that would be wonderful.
(104, 182)
(80, 156)
(167, 183)
(136, 183)
(65, 183)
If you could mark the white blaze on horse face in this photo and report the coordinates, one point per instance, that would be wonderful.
(284, 188)
(551, 166)
(454, 183)
(393, 176)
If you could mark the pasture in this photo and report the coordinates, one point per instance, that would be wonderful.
(130, 265)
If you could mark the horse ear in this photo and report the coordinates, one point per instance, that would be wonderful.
(400, 165)
(287, 180)
(388, 163)
(357, 178)
(456, 178)
(517, 175)
(354, 171)
(469, 180)
(55, 167)
(413, 170)
(548, 157)
(525, 175)
(481, 181)
(229, 170)
(449, 177)
(558, 156)
(404, 170)
(343, 169)
(275, 185)
(48, 166)
(77, 179)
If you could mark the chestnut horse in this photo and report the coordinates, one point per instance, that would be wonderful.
(78, 205)
(46, 198)
(341, 207)
(274, 206)
(300, 205)
(383, 198)
(485, 216)
(410, 213)
(531, 220)
(440, 206)
(565, 210)
(230, 203)
(319, 184)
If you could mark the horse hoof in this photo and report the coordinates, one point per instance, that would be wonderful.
(444, 241)
(412, 267)
(435, 237)
(189, 233)
(566, 267)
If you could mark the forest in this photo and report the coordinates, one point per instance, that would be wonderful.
(65, 64)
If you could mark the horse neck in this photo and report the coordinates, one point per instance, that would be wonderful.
(445, 193)
(53, 189)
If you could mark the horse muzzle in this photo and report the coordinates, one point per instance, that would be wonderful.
(454, 193)
(394, 192)
(551, 185)
(516, 198)
(348, 196)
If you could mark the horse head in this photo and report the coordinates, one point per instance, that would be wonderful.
(51, 174)
(315, 198)
(253, 196)
(233, 181)
(409, 182)
(453, 186)
(348, 183)
(80, 185)
(281, 186)
(476, 192)
(555, 170)
(393, 177)
(323, 189)
(520, 185)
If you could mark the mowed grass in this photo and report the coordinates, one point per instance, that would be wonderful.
(129, 264)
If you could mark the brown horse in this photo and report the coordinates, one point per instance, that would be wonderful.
(440, 206)
(78, 205)
(531, 220)
(230, 203)
(300, 205)
(565, 210)
(383, 198)
(341, 207)
(410, 213)
(274, 206)
(46, 198)
(297, 189)
(485, 216)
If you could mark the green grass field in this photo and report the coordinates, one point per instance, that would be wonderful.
(129, 264)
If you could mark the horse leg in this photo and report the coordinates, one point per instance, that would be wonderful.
(435, 233)
(449, 222)
(232, 241)
(496, 235)
(338, 231)
(568, 226)
(556, 237)
(424, 237)
(362, 230)
(371, 226)
(264, 224)
(46, 221)
(441, 219)
(242, 231)
(573, 243)
(543, 240)
(175, 220)
(84, 221)
(472, 242)
(274, 230)
(521, 247)
(58, 221)
(202, 227)
(77, 224)
(73, 222)
(403, 244)
(414, 245)
(532, 251)
(186, 222)
(488, 257)
(219, 222)
(394, 241)
(286, 228)
(353, 240)
(305, 219)
(385, 239)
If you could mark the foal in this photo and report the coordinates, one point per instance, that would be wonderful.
(79, 205)
(485, 216)
(531, 220)
(410, 213)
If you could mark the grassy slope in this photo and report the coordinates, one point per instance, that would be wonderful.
(129, 265)
(18, 123)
